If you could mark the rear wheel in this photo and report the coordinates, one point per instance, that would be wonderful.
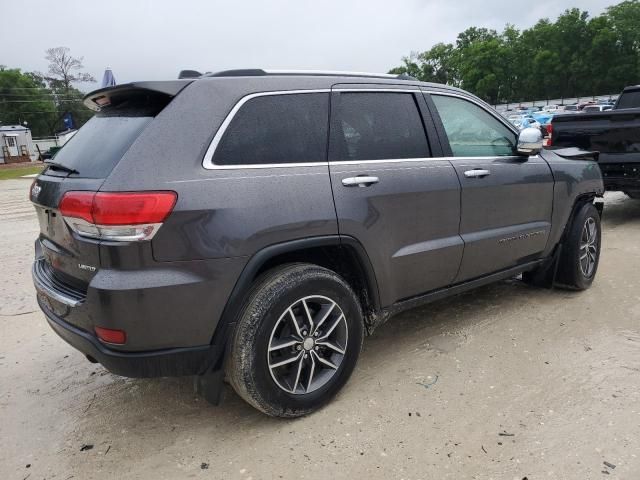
(297, 340)
(580, 255)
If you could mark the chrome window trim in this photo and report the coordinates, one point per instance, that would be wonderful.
(207, 162)
(384, 160)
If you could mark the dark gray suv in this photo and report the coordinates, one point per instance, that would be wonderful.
(254, 225)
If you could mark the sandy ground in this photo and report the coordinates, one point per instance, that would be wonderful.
(508, 382)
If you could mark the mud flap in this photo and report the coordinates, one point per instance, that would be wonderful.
(210, 386)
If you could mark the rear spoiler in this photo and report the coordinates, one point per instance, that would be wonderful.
(109, 96)
(573, 153)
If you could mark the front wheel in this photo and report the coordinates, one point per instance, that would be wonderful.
(297, 340)
(580, 255)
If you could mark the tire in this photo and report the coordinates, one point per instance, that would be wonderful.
(575, 271)
(265, 340)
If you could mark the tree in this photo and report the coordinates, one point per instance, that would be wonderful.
(24, 99)
(65, 69)
(573, 56)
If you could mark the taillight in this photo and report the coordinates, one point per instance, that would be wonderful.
(550, 133)
(125, 217)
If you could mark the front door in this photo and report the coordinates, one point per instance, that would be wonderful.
(506, 199)
(390, 194)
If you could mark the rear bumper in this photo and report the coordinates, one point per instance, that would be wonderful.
(158, 363)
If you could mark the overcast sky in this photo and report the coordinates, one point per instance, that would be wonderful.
(148, 40)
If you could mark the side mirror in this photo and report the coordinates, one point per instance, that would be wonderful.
(529, 141)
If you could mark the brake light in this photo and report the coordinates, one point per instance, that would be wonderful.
(109, 335)
(550, 133)
(126, 216)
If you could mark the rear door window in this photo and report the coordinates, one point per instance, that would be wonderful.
(377, 126)
(276, 129)
(100, 144)
(471, 130)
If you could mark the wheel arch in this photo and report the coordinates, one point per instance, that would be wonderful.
(342, 254)
(579, 201)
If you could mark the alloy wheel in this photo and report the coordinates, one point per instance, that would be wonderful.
(307, 344)
(589, 247)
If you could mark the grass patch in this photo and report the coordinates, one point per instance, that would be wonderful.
(19, 171)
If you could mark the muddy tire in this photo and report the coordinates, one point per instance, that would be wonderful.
(297, 340)
(580, 254)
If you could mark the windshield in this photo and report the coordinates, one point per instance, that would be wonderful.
(98, 146)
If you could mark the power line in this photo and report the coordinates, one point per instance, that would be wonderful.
(33, 101)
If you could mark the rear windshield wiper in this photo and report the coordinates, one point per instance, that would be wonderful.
(59, 166)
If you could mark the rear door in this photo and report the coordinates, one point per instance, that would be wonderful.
(506, 199)
(390, 193)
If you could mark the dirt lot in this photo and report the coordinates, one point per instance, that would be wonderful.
(507, 382)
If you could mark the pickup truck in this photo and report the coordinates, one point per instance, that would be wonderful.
(615, 134)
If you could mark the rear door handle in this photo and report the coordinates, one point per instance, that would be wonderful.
(360, 181)
(477, 173)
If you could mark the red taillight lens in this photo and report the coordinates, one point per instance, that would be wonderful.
(126, 216)
(132, 208)
(550, 133)
(108, 335)
(78, 205)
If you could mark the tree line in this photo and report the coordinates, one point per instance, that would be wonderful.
(45, 100)
(575, 56)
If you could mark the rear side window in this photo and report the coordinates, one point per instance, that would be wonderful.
(272, 129)
(472, 131)
(377, 126)
(100, 144)
(630, 99)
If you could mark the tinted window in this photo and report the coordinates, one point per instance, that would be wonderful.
(373, 126)
(100, 144)
(630, 99)
(288, 128)
(472, 131)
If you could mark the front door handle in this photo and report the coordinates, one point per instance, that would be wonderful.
(360, 181)
(477, 173)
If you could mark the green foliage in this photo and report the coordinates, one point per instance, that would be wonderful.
(43, 100)
(23, 98)
(575, 56)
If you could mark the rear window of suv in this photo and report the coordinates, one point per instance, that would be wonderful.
(100, 144)
(275, 129)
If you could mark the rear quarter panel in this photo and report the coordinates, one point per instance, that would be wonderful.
(615, 134)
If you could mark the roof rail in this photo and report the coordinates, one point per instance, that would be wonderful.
(258, 72)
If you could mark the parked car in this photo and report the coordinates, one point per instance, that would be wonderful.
(551, 108)
(571, 109)
(257, 224)
(527, 122)
(597, 108)
(614, 133)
